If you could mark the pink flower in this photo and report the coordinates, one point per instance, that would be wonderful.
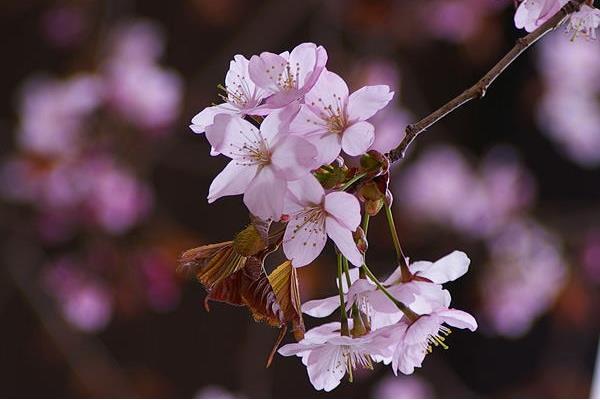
(334, 120)
(241, 97)
(533, 13)
(314, 216)
(288, 76)
(328, 356)
(415, 340)
(585, 21)
(263, 161)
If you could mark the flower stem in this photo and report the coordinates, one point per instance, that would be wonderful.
(400, 257)
(353, 181)
(343, 315)
(410, 314)
(365, 228)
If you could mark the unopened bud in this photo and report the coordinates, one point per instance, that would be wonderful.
(361, 240)
(372, 207)
(375, 163)
(249, 241)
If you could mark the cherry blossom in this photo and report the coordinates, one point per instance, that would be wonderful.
(585, 22)
(314, 216)
(415, 340)
(263, 161)
(242, 96)
(288, 76)
(328, 356)
(335, 120)
(533, 13)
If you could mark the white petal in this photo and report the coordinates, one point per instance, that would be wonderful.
(345, 208)
(365, 102)
(264, 195)
(233, 180)
(322, 307)
(292, 157)
(343, 239)
(357, 138)
(458, 319)
(446, 269)
(303, 240)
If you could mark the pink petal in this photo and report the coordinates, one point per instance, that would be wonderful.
(343, 239)
(265, 69)
(307, 191)
(329, 91)
(311, 61)
(521, 16)
(228, 134)
(328, 146)
(345, 208)
(233, 180)
(357, 138)
(365, 102)
(322, 307)
(307, 123)
(292, 157)
(206, 117)
(238, 82)
(325, 368)
(264, 195)
(279, 121)
(458, 319)
(446, 269)
(303, 240)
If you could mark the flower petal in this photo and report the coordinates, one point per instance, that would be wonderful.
(307, 191)
(308, 123)
(265, 69)
(322, 307)
(330, 93)
(446, 269)
(303, 239)
(264, 195)
(310, 60)
(345, 208)
(206, 117)
(325, 367)
(365, 102)
(357, 138)
(229, 134)
(343, 239)
(233, 180)
(458, 319)
(328, 145)
(292, 157)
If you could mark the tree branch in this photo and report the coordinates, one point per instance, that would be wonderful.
(478, 90)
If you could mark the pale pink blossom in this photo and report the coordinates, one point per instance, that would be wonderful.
(242, 96)
(335, 120)
(584, 22)
(403, 387)
(263, 161)
(412, 341)
(328, 355)
(288, 76)
(313, 216)
(533, 13)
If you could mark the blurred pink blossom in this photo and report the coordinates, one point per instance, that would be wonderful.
(160, 283)
(64, 26)
(525, 275)
(590, 255)
(402, 387)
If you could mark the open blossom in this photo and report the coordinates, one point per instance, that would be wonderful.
(335, 120)
(328, 356)
(413, 341)
(242, 96)
(287, 77)
(314, 216)
(533, 13)
(263, 161)
(585, 22)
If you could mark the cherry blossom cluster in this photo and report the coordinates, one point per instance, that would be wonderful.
(533, 13)
(293, 132)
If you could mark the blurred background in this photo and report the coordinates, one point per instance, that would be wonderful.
(103, 185)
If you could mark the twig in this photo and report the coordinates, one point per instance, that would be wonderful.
(478, 90)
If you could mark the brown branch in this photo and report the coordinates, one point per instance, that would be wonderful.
(478, 90)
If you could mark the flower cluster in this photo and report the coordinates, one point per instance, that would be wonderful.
(293, 132)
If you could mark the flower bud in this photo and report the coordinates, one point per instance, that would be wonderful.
(372, 207)
(361, 240)
(375, 163)
(249, 241)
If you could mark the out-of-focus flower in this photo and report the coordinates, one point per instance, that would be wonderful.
(314, 216)
(160, 284)
(533, 13)
(402, 387)
(214, 392)
(584, 22)
(526, 273)
(52, 113)
(569, 110)
(288, 76)
(262, 162)
(590, 255)
(138, 88)
(335, 120)
(84, 302)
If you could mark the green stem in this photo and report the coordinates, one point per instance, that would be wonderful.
(347, 271)
(365, 227)
(410, 314)
(343, 315)
(353, 181)
(400, 257)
